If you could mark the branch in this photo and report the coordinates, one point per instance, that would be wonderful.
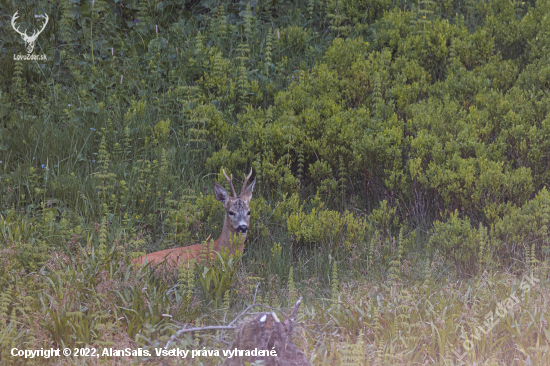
(185, 330)
(290, 324)
(231, 324)
(216, 327)
(248, 307)
(295, 313)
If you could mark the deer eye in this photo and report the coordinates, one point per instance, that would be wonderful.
(248, 213)
(231, 213)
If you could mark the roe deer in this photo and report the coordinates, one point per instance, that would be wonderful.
(237, 219)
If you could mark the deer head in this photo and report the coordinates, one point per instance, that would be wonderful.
(237, 211)
(29, 40)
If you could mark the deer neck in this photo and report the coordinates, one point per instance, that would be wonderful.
(224, 241)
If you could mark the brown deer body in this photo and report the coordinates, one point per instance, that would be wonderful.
(236, 222)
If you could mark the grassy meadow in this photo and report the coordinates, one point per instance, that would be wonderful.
(402, 156)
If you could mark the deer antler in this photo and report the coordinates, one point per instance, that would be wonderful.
(230, 180)
(13, 25)
(246, 181)
(36, 33)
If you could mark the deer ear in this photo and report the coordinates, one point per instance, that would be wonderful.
(247, 195)
(220, 193)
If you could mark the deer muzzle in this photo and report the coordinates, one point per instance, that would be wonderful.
(242, 228)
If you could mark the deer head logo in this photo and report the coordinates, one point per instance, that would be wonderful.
(29, 40)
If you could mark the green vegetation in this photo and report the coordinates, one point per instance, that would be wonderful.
(402, 152)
